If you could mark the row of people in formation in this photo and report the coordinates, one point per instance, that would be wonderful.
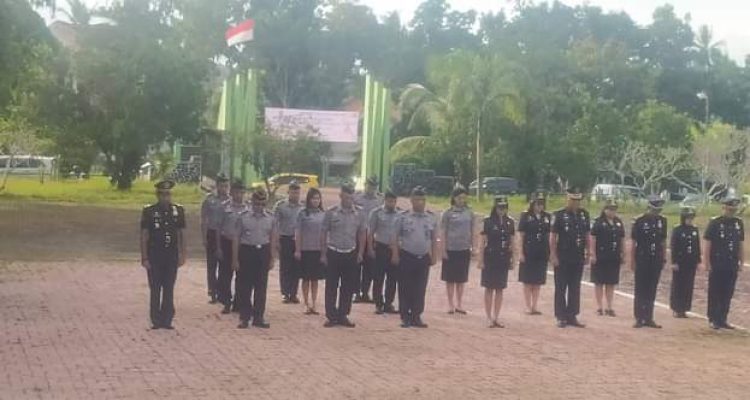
(402, 245)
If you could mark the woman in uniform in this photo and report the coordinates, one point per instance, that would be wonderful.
(686, 255)
(607, 255)
(457, 236)
(307, 232)
(496, 258)
(534, 228)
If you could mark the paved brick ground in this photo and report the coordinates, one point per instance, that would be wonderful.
(78, 330)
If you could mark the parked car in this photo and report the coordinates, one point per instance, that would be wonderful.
(496, 185)
(305, 180)
(603, 191)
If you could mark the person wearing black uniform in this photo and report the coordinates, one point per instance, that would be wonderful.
(649, 234)
(211, 213)
(569, 243)
(686, 256)
(496, 259)
(162, 252)
(724, 238)
(607, 255)
(534, 229)
(254, 248)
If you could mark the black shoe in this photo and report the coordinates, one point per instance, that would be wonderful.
(561, 323)
(714, 325)
(460, 311)
(155, 327)
(261, 324)
(169, 327)
(652, 324)
(638, 324)
(535, 312)
(213, 299)
(235, 308)
(389, 309)
(680, 315)
(379, 310)
(610, 313)
(330, 323)
(405, 323)
(346, 323)
(727, 326)
(243, 325)
(286, 299)
(417, 323)
(295, 300)
(358, 298)
(575, 323)
(227, 309)
(600, 312)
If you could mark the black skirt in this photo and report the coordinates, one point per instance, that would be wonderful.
(606, 272)
(456, 267)
(312, 268)
(533, 272)
(495, 271)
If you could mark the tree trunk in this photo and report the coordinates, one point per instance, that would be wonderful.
(6, 173)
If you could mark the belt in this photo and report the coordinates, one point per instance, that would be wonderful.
(381, 244)
(254, 246)
(287, 236)
(423, 256)
(341, 251)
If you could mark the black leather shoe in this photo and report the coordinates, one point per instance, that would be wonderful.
(346, 323)
(652, 324)
(227, 309)
(418, 323)
(261, 324)
(600, 312)
(714, 325)
(389, 309)
(610, 313)
(295, 300)
(357, 299)
(213, 299)
(155, 327)
(243, 325)
(379, 310)
(169, 327)
(561, 323)
(575, 323)
(727, 326)
(285, 299)
(638, 324)
(329, 323)
(405, 323)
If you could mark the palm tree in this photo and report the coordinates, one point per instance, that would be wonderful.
(706, 46)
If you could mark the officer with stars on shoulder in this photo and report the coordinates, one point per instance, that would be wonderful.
(724, 240)
(162, 252)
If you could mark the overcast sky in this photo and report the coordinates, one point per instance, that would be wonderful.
(730, 19)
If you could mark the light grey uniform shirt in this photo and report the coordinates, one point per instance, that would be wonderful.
(286, 216)
(230, 219)
(342, 226)
(309, 225)
(368, 202)
(256, 227)
(458, 225)
(416, 231)
(212, 210)
(382, 224)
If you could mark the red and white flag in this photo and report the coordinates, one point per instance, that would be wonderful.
(241, 33)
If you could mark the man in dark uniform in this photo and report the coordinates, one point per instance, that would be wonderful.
(569, 244)
(369, 200)
(414, 250)
(162, 252)
(286, 212)
(254, 249)
(343, 237)
(211, 212)
(724, 240)
(649, 235)
(380, 231)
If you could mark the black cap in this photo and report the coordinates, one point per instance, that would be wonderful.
(259, 195)
(221, 178)
(237, 184)
(731, 200)
(655, 202)
(687, 212)
(501, 201)
(293, 185)
(419, 191)
(611, 203)
(347, 188)
(372, 180)
(459, 190)
(166, 184)
(390, 195)
(574, 193)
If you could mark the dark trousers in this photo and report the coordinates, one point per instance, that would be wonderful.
(253, 281)
(681, 294)
(366, 275)
(224, 284)
(721, 284)
(647, 274)
(568, 290)
(414, 272)
(384, 274)
(341, 282)
(161, 279)
(289, 273)
(212, 263)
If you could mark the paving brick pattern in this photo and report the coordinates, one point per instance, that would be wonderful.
(79, 330)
